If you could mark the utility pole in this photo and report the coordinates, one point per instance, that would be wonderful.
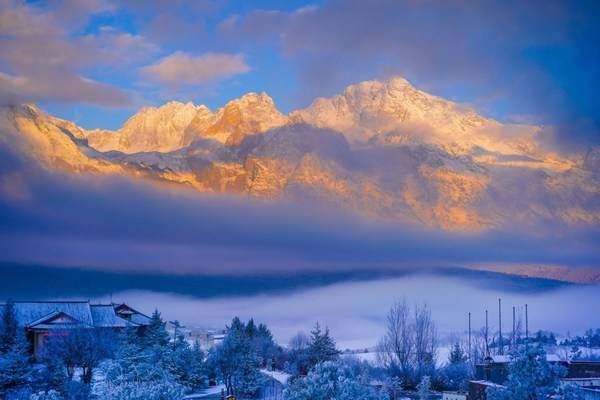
(487, 347)
(526, 326)
(469, 336)
(500, 345)
(514, 334)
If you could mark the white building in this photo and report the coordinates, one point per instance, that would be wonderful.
(454, 395)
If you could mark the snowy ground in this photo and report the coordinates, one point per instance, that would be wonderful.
(209, 393)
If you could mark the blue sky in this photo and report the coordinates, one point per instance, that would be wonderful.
(534, 61)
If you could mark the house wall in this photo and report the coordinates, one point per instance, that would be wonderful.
(454, 396)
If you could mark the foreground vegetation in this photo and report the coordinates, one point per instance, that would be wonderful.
(149, 364)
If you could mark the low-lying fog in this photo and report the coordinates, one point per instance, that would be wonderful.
(355, 311)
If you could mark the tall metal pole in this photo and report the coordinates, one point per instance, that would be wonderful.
(526, 326)
(514, 334)
(500, 346)
(487, 347)
(469, 336)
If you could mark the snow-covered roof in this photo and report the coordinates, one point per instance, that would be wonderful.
(28, 312)
(104, 316)
(499, 359)
(488, 384)
(279, 376)
(40, 314)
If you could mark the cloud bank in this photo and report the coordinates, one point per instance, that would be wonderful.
(110, 222)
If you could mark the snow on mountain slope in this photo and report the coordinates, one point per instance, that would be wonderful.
(395, 112)
(53, 142)
(381, 149)
(150, 129)
(250, 114)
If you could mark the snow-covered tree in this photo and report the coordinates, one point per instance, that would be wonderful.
(322, 346)
(15, 367)
(237, 363)
(297, 361)
(572, 392)
(530, 376)
(330, 381)
(80, 348)
(423, 387)
(457, 372)
(185, 363)
(138, 372)
(156, 333)
(409, 346)
(8, 327)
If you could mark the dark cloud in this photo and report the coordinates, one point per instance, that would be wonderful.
(539, 58)
(115, 223)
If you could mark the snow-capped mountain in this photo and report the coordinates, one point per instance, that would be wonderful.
(176, 125)
(382, 149)
(150, 129)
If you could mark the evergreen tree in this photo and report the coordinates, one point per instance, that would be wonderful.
(266, 348)
(15, 366)
(322, 346)
(156, 332)
(423, 387)
(457, 355)
(237, 363)
(456, 373)
(139, 372)
(251, 330)
(530, 376)
(186, 363)
(8, 327)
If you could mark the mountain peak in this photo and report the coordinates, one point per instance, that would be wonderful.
(253, 99)
(150, 129)
(250, 114)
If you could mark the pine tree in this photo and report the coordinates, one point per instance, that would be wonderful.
(423, 387)
(322, 346)
(138, 372)
(251, 330)
(457, 355)
(156, 332)
(8, 327)
(237, 362)
(15, 366)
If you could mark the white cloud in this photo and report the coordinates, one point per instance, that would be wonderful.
(182, 68)
(41, 60)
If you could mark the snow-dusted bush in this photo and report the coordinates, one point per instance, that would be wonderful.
(152, 390)
(49, 395)
(530, 376)
(328, 381)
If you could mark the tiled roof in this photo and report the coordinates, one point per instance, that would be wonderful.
(104, 316)
(99, 315)
(27, 312)
(140, 319)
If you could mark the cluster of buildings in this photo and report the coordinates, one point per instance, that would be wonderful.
(43, 319)
(206, 338)
(493, 372)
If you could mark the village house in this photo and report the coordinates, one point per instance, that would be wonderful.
(454, 395)
(494, 372)
(43, 319)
